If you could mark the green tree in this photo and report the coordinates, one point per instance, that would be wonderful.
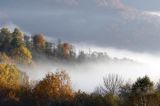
(21, 55)
(17, 34)
(5, 39)
(17, 39)
(16, 43)
(141, 90)
(143, 86)
(125, 93)
(111, 99)
(49, 48)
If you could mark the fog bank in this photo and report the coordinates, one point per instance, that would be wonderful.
(87, 76)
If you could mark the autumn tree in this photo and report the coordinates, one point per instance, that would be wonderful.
(11, 82)
(9, 76)
(65, 50)
(39, 41)
(55, 86)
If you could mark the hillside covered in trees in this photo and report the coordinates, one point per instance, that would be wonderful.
(55, 89)
(19, 48)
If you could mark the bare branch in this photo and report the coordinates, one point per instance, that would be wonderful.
(112, 83)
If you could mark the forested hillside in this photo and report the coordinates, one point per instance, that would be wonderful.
(19, 48)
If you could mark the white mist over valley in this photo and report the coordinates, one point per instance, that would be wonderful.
(89, 75)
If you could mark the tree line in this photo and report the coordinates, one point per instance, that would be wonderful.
(24, 49)
(55, 89)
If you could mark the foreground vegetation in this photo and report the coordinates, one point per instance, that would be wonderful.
(56, 90)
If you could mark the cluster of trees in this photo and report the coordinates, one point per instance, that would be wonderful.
(12, 46)
(24, 49)
(15, 89)
(142, 92)
(41, 48)
(56, 90)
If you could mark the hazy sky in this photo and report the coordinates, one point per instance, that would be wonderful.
(151, 5)
(126, 24)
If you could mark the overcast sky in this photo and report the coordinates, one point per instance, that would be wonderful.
(126, 24)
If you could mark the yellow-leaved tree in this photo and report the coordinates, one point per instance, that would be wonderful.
(9, 76)
(22, 55)
(12, 82)
(55, 86)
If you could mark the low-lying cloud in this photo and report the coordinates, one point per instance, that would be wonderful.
(87, 76)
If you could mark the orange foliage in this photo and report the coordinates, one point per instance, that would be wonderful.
(54, 86)
(39, 40)
(9, 76)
